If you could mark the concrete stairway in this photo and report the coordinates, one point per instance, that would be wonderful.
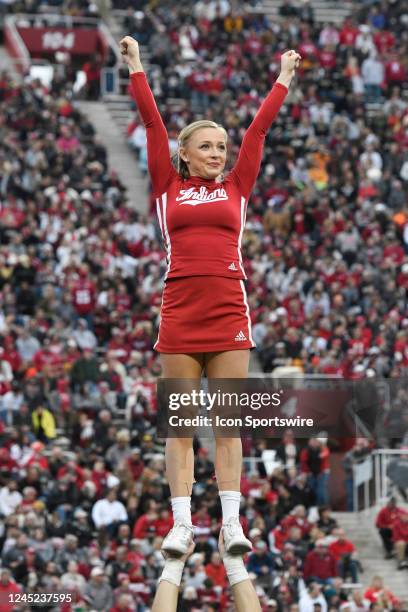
(120, 110)
(119, 114)
(6, 62)
(120, 157)
(324, 10)
(360, 529)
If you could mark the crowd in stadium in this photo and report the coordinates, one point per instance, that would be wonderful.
(73, 8)
(83, 496)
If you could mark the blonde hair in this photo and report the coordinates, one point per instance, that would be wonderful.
(184, 137)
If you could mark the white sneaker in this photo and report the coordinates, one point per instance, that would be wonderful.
(234, 540)
(178, 540)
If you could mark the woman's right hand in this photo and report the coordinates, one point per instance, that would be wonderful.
(129, 48)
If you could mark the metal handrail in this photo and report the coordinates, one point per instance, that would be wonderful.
(103, 28)
(382, 487)
(69, 20)
(11, 30)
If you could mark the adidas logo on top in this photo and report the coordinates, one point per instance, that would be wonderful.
(240, 337)
(232, 267)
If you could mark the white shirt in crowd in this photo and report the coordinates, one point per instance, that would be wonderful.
(307, 602)
(372, 71)
(138, 137)
(11, 401)
(365, 44)
(106, 512)
(27, 347)
(85, 339)
(72, 581)
(9, 500)
(364, 606)
(329, 36)
(208, 9)
(371, 159)
(3, 323)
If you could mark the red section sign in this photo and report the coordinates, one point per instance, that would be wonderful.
(77, 41)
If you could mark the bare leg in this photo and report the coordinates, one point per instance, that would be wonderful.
(228, 453)
(179, 451)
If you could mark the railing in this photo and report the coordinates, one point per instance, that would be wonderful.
(15, 44)
(384, 486)
(362, 476)
(53, 20)
(372, 474)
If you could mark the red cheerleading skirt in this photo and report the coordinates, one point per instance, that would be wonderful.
(204, 314)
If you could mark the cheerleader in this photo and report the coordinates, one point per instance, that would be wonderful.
(205, 323)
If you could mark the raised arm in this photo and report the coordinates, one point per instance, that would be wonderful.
(161, 169)
(247, 166)
(168, 588)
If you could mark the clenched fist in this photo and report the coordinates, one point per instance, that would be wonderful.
(129, 48)
(289, 62)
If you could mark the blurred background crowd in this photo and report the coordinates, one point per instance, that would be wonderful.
(83, 495)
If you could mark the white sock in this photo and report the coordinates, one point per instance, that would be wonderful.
(181, 507)
(230, 504)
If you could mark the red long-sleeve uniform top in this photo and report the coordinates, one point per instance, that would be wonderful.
(202, 221)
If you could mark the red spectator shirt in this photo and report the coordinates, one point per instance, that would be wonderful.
(217, 574)
(83, 296)
(279, 536)
(401, 346)
(293, 521)
(321, 566)
(373, 594)
(348, 35)
(11, 217)
(144, 526)
(395, 72)
(384, 41)
(202, 221)
(400, 530)
(99, 478)
(386, 517)
(358, 346)
(74, 469)
(45, 358)
(163, 526)
(123, 302)
(253, 45)
(339, 549)
(308, 49)
(6, 462)
(327, 59)
(11, 588)
(395, 252)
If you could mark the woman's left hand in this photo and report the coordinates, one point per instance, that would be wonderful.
(289, 62)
